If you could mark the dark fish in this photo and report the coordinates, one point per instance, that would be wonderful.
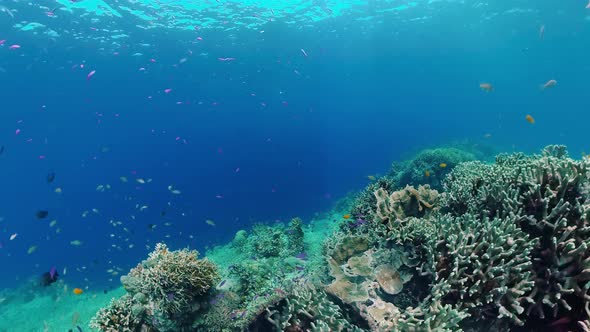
(2, 149)
(42, 214)
(163, 213)
(50, 177)
(222, 283)
(79, 328)
(50, 277)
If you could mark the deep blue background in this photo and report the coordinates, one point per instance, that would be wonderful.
(368, 93)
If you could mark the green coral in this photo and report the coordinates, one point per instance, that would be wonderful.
(547, 196)
(484, 266)
(306, 309)
(413, 172)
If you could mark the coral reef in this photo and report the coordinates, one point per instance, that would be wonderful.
(165, 293)
(470, 247)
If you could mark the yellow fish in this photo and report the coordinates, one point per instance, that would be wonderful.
(346, 216)
(426, 173)
(442, 165)
(530, 119)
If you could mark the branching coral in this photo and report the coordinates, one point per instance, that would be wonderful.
(484, 267)
(547, 196)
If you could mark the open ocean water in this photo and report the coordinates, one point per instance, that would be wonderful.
(125, 123)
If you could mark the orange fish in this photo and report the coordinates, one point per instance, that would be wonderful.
(487, 87)
(530, 119)
(426, 173)
(78, 291)
(346, 216)
(549, 84)
(442, 165)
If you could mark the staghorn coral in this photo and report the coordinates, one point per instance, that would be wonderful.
(484, 267)
(547, 197)
(305, 309)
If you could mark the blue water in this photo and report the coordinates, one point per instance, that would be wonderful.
(319, 96)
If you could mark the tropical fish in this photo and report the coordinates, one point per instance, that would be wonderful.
(50, 177)
(530, 119)
(549, 84)
(123, 179)
(210, 222)
(41, 214)
(78, 291)
(76, 243)
(442, 165)
(371, 177)
(346, 216)
(31, 249)
(58, 190)
(542, 32)
(426, 173)
(487, 87)
(52, 223)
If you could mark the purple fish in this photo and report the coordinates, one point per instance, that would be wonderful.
(170, 296)
(52, 272)
(222, 283)
(302, 255)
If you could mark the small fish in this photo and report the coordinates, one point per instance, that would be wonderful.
(530, 119)
(542, 32)
(142, 181)
(123, 179)
(549, 84)
(1, 149)
(226, 59)
(50, 177)
(426, 173)
(210, 222)
(32, 249)
(89, 76)
(52, 223)
(151, 227)
(443, 165)
(487, 87)
(58, 190)
(13, 236)
(14, 47)
(346, 216)
(304, 53)
(372, 178)
(76, 243)
(77, 291)
(167, 91)
(41, 214)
